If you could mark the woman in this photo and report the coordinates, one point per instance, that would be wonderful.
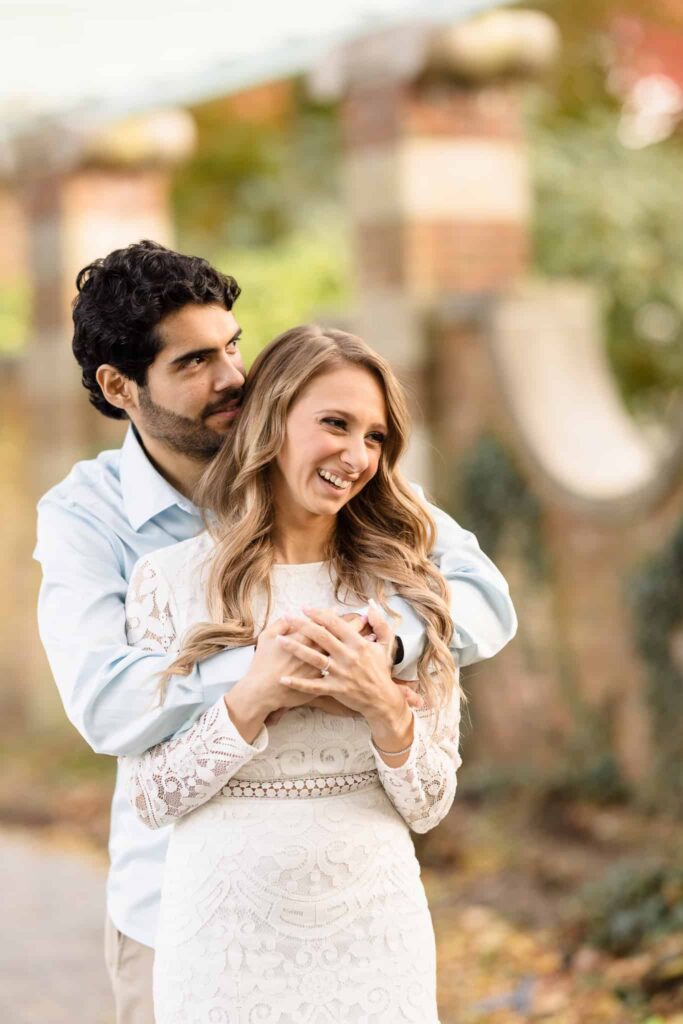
(291, 892)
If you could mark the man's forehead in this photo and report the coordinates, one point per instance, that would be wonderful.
(198, 324)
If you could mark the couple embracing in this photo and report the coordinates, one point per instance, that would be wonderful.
(250, 607)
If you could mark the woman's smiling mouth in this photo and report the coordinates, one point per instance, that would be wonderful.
(339, 483)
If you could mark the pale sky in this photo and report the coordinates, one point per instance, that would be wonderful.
(56, 54)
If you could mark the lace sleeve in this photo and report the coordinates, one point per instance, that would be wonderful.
(176, 776)
(422, 790)
(149, 612)
(179, 775)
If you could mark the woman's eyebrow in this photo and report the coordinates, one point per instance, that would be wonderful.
(349, 416)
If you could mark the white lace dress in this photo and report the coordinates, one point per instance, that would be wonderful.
(291, 892)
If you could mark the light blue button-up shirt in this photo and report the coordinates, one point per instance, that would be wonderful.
(92, 529)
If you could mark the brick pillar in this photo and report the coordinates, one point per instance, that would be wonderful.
(115, 189)
(82, 198)
(437, 188)
(13, 255)
(438, 199)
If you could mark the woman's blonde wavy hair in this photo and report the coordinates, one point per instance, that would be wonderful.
(383, 535)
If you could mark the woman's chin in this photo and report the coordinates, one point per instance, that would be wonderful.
(317, 499)
(324, 500)
(324, 505)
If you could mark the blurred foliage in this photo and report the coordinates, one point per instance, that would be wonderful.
(14, 316)
(614, 216)
(579, 774)
(607, 213)
(585, 769)
(656, 595)
(577, 80)
(631, 903)
(604, 213)
(288, 282)
(586, 773)
(260, 200)
(494, 495)
(256, 181)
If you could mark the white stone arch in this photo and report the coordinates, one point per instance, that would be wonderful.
(547, 348)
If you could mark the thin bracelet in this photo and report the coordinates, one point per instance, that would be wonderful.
(393, 753)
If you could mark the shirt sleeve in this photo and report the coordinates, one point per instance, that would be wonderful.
(107, 686)
(484, 617)
(423, 788)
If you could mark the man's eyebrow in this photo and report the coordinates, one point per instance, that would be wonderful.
(187, 356)
(349, 416)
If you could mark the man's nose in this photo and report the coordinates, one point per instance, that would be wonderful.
(229, 374)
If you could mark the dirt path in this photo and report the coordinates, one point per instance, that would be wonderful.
(51, 963)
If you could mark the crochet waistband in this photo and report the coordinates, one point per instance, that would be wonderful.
(300, 789)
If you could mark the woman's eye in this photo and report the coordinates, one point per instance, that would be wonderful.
(340, 424)
(377, 437)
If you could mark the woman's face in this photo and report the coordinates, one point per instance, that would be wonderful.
(333, 441)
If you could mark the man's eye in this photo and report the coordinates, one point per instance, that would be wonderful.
(195, 361)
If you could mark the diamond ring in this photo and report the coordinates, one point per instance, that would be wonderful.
(325, 670)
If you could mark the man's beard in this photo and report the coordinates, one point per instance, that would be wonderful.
(182, 434)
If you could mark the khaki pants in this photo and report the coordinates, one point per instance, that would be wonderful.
(130, 969)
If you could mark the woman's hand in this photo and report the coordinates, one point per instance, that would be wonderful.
(357, 672)
(259, 693)
(328, 704)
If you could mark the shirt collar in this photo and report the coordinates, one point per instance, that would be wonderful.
(146, 493)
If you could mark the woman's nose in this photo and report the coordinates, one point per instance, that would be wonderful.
(355, 457)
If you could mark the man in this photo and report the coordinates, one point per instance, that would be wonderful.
(157, 342)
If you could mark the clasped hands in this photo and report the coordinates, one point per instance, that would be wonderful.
(355, 651)
(287, 669)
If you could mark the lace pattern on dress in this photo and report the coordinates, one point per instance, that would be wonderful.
(288, 910)
(180, 774)
(149, 612)
(423, 789)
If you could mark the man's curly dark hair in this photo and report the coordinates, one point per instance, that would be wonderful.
(121, 301)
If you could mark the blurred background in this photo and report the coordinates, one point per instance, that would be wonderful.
(492, 195)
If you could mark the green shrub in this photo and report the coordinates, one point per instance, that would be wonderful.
(288, 282)
(614, 216)
(14, 316)
(632, 903)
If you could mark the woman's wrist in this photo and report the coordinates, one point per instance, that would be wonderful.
(247, 712)
(395, 731)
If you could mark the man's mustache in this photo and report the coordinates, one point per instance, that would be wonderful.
(229, 401)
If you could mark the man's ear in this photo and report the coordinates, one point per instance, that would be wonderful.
(119, 390)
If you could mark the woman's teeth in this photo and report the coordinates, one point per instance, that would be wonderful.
(336, 480)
